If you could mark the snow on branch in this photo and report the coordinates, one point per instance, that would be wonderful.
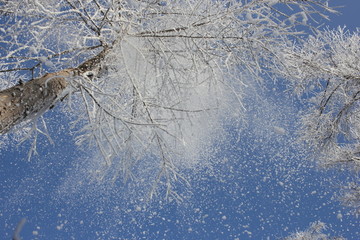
(149, 78)
(314, 232)
(324, 70)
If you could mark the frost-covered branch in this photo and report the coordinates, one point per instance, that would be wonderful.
(326, 71)
(314, 232)
(350, 197)
(146, 75)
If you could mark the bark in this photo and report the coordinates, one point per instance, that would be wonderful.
(31, 99)
(26, 100)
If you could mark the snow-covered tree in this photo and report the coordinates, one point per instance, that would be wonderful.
(325, 71)
(139, 74)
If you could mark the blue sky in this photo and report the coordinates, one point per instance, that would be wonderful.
(349, 16)
(260, 186)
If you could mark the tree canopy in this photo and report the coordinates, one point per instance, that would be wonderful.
(147, 80)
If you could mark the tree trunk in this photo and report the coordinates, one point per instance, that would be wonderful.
(27, 100)
(33, 98)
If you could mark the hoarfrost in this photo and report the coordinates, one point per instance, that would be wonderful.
(240, 166)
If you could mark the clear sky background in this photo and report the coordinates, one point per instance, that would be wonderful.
(349, 16)
(260, 185)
